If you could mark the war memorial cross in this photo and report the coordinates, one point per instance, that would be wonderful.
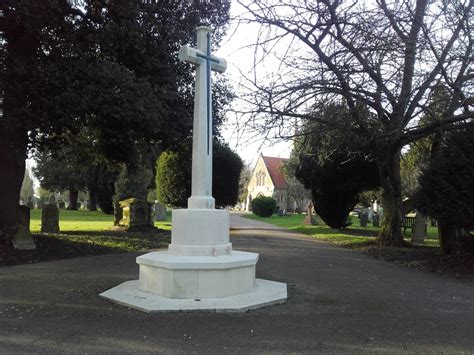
(200, 264)
(201, 191)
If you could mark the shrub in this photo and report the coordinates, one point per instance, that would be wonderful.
(335, 163)
(227, 166)
(446, 188)
(173, 176)
(263, 206)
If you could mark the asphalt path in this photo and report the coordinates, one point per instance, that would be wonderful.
(339, 301)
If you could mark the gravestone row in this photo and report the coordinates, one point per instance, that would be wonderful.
(138, 215)
(22, 240)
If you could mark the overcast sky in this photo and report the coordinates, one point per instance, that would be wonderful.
(240, 58)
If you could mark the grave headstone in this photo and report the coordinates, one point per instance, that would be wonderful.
(280, 213)
(50, 219)
(364, 218)
(419, 229)
(52, 200)
(375, 220)
(160, 212)
(138, 215)
(375, 206)
(40, 204)
(22, 240)
(61, 205)
(380, 212)
(370, 213)
(434, 222)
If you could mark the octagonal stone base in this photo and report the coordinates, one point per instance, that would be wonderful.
(174, 276)
(266, 293)
(223, 283)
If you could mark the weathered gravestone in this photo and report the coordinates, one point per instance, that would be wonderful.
(375, 220)
(380, 212)
(52, 200)
(22, 239)
(61, 205)
(370, 213)
(138, 215)
(364, 218)
(419, 229)
(160, 212)
(50, 219)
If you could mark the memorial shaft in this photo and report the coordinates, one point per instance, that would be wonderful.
(201, 189)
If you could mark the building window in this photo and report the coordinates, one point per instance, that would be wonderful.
(260, 178)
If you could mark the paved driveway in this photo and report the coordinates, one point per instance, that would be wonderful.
(339, 301)
(237, 221)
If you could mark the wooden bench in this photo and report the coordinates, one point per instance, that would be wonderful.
(408, 222)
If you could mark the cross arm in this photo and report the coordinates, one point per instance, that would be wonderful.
(195, 56)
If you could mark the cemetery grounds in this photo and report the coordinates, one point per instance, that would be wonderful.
(426, 257)
(86, 233)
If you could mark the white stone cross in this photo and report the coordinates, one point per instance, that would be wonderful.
(201, 190)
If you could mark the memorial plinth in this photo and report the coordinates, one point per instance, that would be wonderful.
(199, 277)
(199, 271)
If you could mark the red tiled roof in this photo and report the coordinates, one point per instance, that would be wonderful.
(274, 168)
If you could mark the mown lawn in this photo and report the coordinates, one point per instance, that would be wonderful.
(84, 233)
(350, 236)
(84, 221)
(363, 239)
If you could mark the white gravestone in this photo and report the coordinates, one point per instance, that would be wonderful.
(160, 212)
(199, 271)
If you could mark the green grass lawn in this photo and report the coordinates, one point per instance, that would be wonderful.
(85, 221)
(90, 233)
(351, 236)
(363, 239)
(85, 233)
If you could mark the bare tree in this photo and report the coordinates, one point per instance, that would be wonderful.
(389, 55)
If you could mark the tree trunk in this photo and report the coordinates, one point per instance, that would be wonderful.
(12, 171)
(118, 213)
(92, 205)
(73, 196)
(389, 165)
(16, 66)
(448, 237)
